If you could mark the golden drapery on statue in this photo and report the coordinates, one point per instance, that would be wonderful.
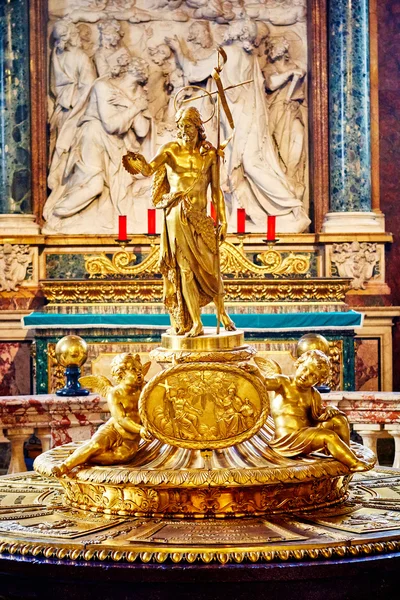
(189, 260)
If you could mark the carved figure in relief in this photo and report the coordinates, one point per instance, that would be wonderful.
(87, 43)
(164, 81)
(284, 82)
(302, 425)
(255, 179)
(218, 10)
(184, 417)
(71, 76)
(278, 12)
(116, 441)
(14, 262)
(110, 40)
(357, 261)
(233, 414)
(183, 171)
(170, 4)
(95, 184)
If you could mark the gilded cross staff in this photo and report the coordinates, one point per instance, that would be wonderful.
(221, 101)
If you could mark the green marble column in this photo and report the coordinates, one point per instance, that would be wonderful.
(15, 156)
(349, 118)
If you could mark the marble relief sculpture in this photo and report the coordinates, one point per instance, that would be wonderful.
(14, 262)
(266, 165)
(71, 75)
(255, 179)
(113, 121)
(110, 40)
(284, 82)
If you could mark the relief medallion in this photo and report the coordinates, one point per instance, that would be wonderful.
(204, 406)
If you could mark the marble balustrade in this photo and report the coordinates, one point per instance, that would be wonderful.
(56, 421)
(372, 415)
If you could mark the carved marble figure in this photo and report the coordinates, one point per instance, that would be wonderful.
(183, 171)
(165, 79)
(284, 82)
(218, 10)
(302, 425)
(14, 262)
(96, 187)
(87, 42)
(255, 179)
(116, 441)
(110, 39)
(278, 12)
(71, 76)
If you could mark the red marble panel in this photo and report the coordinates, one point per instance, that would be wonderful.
(15, 368)
(367, 365)
(389, 130)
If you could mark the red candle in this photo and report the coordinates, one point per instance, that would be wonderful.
(241, 220)
(213, 212)
(271, 223)
(151, 221)
(122, 235)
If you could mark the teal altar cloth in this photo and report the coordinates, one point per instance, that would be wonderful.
(248, 322)
(106, 333)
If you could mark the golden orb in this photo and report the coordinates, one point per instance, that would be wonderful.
(312, 341)
(71, 351)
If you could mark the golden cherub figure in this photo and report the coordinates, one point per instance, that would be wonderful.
(116, 441)
(302, 425)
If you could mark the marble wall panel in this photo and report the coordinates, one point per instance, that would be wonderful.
(368, 377)
(389, 130)
(15, 368)
(15, 158)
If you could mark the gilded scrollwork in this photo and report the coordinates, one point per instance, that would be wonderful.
(233, 263)
(335, 381)
(55, 369)
(122, 263)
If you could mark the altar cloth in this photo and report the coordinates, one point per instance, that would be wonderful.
(319, 321)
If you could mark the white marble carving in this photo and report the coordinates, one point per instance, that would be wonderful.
(14, 262)
(110, 108)
(284, 81)
(357, 260)
(94, 180)
(71, 75)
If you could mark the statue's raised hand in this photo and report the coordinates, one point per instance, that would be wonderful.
(135, 163)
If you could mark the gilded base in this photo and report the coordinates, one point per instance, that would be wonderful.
(176, 483)
(227, 346)
(35, 521)
(209, 341)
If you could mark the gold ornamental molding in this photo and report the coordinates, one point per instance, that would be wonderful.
(233, 263)
(335, 381)
(146, 553)
(38, 524)
(131, 291)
